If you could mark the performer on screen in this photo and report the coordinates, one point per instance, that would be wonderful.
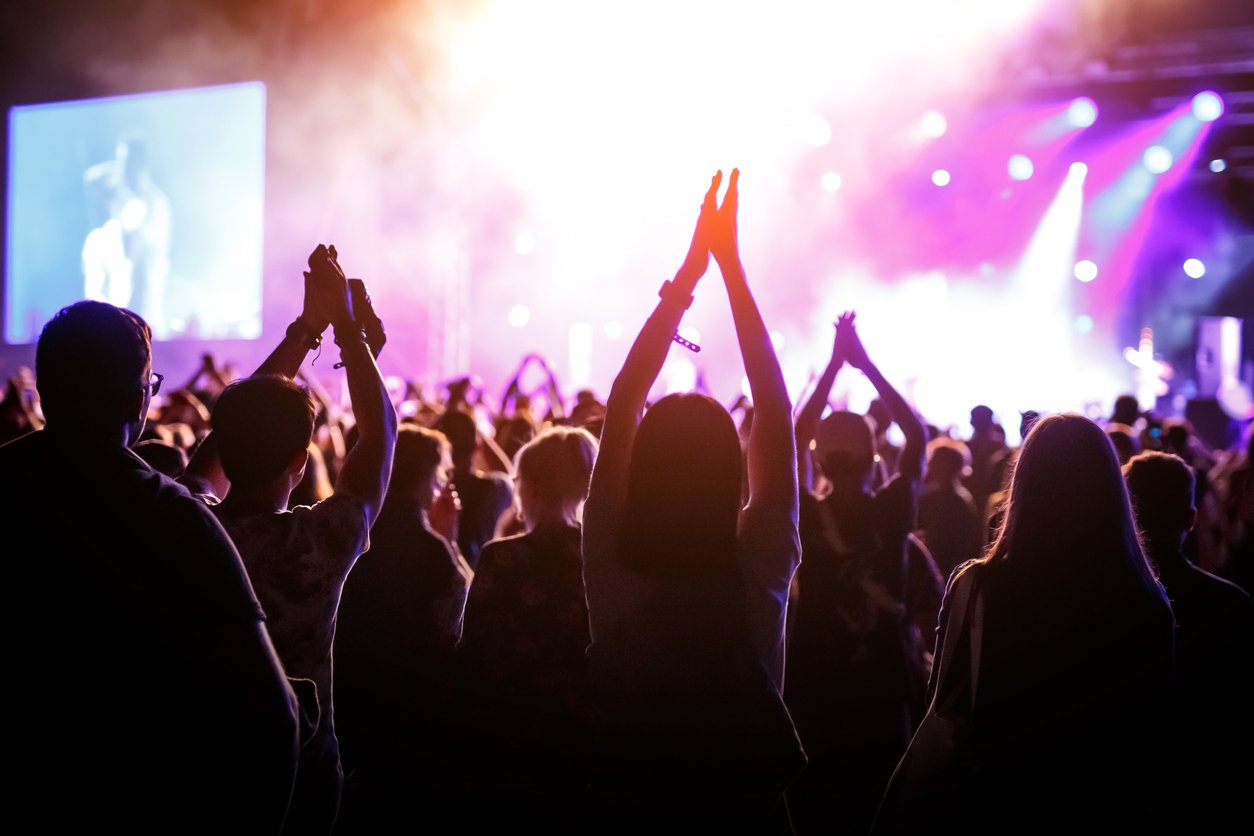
(126, 255)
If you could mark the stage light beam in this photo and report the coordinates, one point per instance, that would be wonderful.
(1194, 268)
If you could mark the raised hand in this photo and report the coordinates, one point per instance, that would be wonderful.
(723, 238)
(849, 343)
(363, 312)
(327, 287)
(698, 258)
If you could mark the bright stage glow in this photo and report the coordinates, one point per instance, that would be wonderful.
(1082, 112)
(817, 131)
(1194, 268)
(1218, 165)
(1157, 159)
(1083, 324)
(598, 135)
(1020, 167)
(524, 243)
(933, 124)
(1085, 270)
(1208, 106)
(1078, 170)
(519, 315)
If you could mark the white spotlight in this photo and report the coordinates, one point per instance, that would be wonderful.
(941, 177)
(1218, 165)
(831, 181)
(933, 124)
(1208, 106)
(519, 315)
(1194, 268)
(1082, 112)
(613, 329)
(1157, 159)
(1085, 270)
(817, 131)
(524, 243)
(1020, 167)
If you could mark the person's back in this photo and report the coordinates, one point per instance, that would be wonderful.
(155, 702)
(687, 585)
(524, 647)
(484, 496)
(950, 523)
(400, 614)
(1073, 715)
(1214, 642)
(298, 559)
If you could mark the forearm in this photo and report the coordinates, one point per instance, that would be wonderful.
(368, 466)
(648, 353)
(288, 355)
(905, 417)
(772, 447)
(807, 423)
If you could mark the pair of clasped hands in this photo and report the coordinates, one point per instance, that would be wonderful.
(715, 235)
(332, 298)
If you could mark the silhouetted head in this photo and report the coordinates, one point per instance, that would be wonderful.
(1027, 420)
(93, 366)
(981, 420)
(262, 425)
(459, 428)
(1125, 440)
(1177, 433)
(420, 466)
(844, 447)
(683, 490)
(513, 432)
(1068, 509)
(1126, 410)
(552, 473)
(1162, 489)
(947, 460)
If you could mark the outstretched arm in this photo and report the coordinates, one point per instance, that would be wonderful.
(772, 476)
(911, 463)
(368, 466)
(204, 474)
(806, 425)
(607, 494)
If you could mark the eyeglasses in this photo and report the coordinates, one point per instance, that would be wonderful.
(155, 384)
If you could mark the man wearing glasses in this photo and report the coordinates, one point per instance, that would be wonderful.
(142, 686)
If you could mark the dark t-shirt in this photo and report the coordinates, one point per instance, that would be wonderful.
(399, 617)
(484, 498)
(119, 703)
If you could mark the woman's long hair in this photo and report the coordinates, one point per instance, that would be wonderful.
(1068, 514)
(683, 492)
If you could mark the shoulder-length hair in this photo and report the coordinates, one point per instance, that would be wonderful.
(1068, 513)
